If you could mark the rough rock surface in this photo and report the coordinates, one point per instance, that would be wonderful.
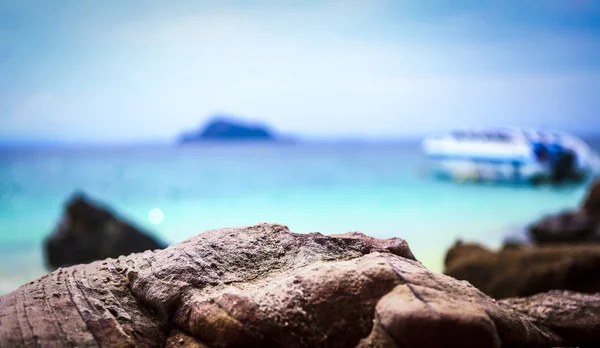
(90, 232)
(574, 316)
(525, 270)
(263, 286)
(581, 225)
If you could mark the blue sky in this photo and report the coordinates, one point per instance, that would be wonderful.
(146, 70)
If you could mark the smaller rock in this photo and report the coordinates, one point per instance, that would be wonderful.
(581, 225)
(591, 204)
(524, 270)
(90, 232)
(568, 227)
(573, 315)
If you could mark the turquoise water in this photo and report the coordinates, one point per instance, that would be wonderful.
(378, 189)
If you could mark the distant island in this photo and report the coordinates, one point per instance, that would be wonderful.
(227, 128)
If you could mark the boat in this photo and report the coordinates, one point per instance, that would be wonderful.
(510, 154)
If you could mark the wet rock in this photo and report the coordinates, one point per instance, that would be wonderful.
(264, 286)
(581, 225)
(90, 232)
(522, 270)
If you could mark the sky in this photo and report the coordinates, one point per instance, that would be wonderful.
(115, 71)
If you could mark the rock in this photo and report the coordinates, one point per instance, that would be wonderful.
(581, 225)
(90, 232)
(567, 227)
(526, 270)
(223, 127)
(266, 286)
(591, 204)
(177, 338)
(573, 315)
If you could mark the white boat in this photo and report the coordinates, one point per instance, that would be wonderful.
(510, 154)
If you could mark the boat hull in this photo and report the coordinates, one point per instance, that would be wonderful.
(486, 170)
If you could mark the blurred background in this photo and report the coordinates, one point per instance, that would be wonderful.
(135, 104)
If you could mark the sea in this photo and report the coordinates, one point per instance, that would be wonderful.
(174, 192)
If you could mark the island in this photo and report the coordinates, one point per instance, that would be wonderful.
(228, 128)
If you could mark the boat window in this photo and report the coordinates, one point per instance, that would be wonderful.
(493, 136)
(504, 137)
(460, 135)
(497, 136)
(483, 135)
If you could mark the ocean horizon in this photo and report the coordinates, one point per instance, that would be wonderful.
(376, 187)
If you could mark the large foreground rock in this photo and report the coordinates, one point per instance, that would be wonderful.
(525, 270)
(90, 232)
(264, 286)
(580, 225)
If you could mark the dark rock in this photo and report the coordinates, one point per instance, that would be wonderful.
(591, 204)
(574, 316)
(521, 270)
(263, 286)
(222, 128)
(568, 227)
(90, 232)
(581, 225)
